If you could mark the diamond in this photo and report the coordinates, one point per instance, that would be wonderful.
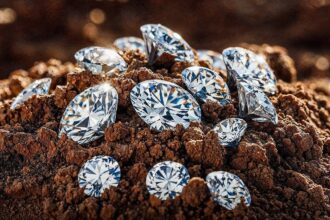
(38, 87)
(254, 104)
(130, 43)
(163, 105)
(206, 84)
(100, 60)
(214, 58)
(89, 113)
(243, 64)
(167, 179)
(230, 131)
(98, 174)
(227, 189)
(161, 40)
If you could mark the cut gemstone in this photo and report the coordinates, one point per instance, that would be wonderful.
(38, 87)
(206, 84)
(130, 43)
(167, 179)
(98, 174)
(227, 189)
(90, 113)
(100, 60)
(163, 105)
(161, 40)
(243, 64)
(230, 131)
(214, 58)
(254, 104)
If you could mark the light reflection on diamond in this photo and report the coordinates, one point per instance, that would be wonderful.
(214, 58)
(130, 43)
(230, 131)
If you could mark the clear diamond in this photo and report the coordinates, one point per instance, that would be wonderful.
(167, 179)
(206, 84)
(100, 60)
(98, 174)
(246, 65)
(38, 87)
(214, 58)
(227, 189)
(254, 104)
(163, 105)
(160, 39)
(230, 131)
(130, 43)
(89, 113)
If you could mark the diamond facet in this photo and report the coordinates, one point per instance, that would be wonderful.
(243, 64)
(38, 87)
(161, 40)
(90, 113)
(206, 84)
(227, 189)
(130, 43)
(230, 131)
(254, 104)
(98, 174)
(163, 105)
(167, 179)
(214, 58)
(100, 60)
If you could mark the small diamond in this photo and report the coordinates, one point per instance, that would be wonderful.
(161, 40)
(254, 104)
(89, 113)
(206, 84)
(130, 43)
(230, 131)
(246, 65)
(167, 179)
(100, 60)
(163, 105)
(214, 58)
(38, 87)
(98, 174)
(227, 189)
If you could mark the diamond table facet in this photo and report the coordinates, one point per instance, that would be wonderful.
(98, 174)
(90, 113)
(163, 105)
(214, 58)
(227, 189)
(38, 87)
(206, 84)
(230, 131)
(130, 43)
(167, 179)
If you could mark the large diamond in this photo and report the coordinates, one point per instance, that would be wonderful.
(230, 131)
(89, 113)
(227, 189)
(98, 174)
(206, 84)
(214, 58)
(163, 105)
(161, 40)
(167, 179)
(254, 104)
(100, 60)
(246, 65)
(130, 43)
(38, 87)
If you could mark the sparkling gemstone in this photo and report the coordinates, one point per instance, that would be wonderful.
(206, 84)
(130, 43)
(38, 87)
(214, 58)
(254, 104)
(227, 189)
(161, 40)
(167, 179)
(163, 105)
(98, 174)
(230, 131)
(90, 113)
(246, 65)
(100, 60)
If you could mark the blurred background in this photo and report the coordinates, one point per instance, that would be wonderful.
(32, 30)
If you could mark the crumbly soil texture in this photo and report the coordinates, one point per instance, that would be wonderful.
(285, 167)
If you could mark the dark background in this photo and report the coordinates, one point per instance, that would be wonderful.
(32, 30)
